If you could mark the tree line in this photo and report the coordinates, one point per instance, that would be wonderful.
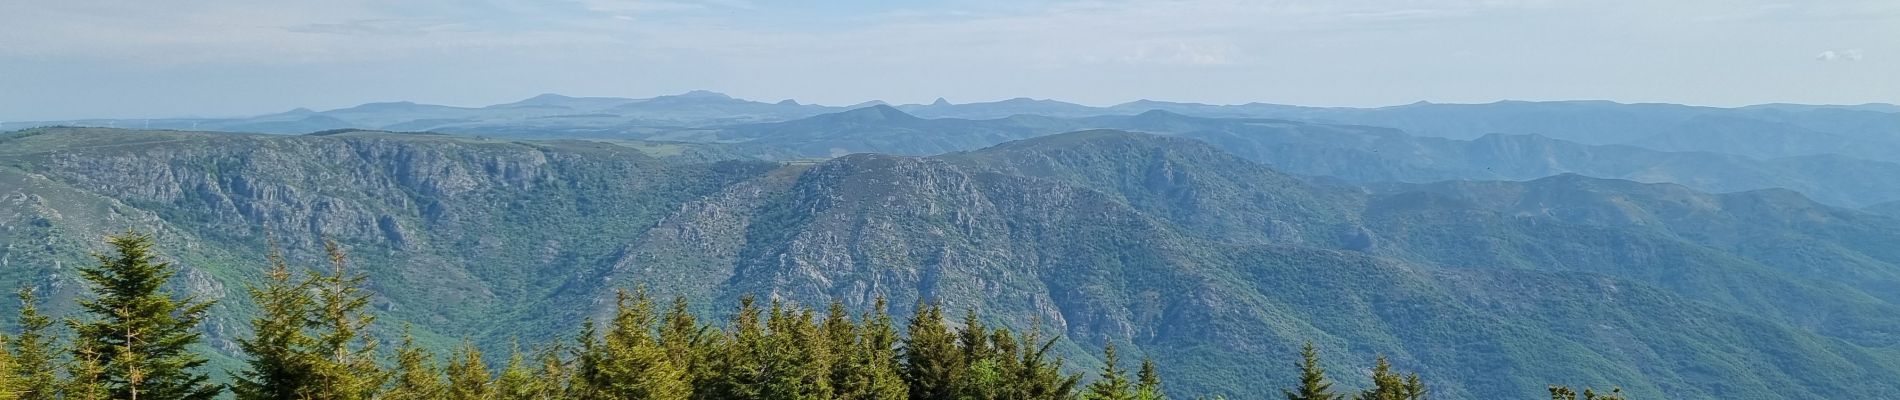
(310, 341)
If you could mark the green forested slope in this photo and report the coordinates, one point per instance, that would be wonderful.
(1216, 266)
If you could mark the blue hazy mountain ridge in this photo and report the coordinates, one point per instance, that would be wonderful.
(1836, 154)
(1351, 152)
(1868, 131)
(1170, 247)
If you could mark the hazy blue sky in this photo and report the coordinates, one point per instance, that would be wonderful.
(114, 58)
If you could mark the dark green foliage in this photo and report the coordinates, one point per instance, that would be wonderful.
(933, 365)
(1386, 385)
(1148, 382)
(739, 366)
(1313, 382)
(630, 364)
(302, 349)
(1166, 247)
(1112, 382)
(277, 366)
(870, 368)
(467, 375)
(139, 334)
(34, 369)
(518, 380)
(345, 366)
(415, 376)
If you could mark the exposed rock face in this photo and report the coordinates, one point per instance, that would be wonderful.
(1174, 249)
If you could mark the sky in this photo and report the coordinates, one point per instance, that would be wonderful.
(64, 59)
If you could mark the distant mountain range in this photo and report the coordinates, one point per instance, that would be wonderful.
(1842, 155)
(1171, 247)
(1869, 131)
(1678, 251)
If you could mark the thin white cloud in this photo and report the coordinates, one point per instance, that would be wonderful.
(1841, 55)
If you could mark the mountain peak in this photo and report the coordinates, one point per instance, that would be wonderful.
(940, 102)
(788, 102)
(1160, 114)
(702, 94)
(874, 113)
(382, 106)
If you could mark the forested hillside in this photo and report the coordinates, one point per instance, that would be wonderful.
(1213, 264)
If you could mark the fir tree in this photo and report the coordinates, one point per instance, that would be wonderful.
(633, 365)
(688, 346)
(276, 365)
(85, 373)
(590, 357)
(1037, 375)
(34, 367)
(139, 334)
(1313, 382)
(415, 377)
(739, 369)
(1148, 382)
(343, 355)
(982, 376)
(1386, 385)
(799, 360)
(517, 380)
(932, 362)
(875, 372)
(999, 371)
(842, 336)
(555, 373)
(9, 384)
(468, 375)
(1414, 388)
(1111, 383)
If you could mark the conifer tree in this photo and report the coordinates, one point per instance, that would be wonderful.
(1040, 377)
(932, 362)
(517, 380)
(1386, 385)
(85, 372)
(9, 384)
(468, 375)
(739, 370)
(1313, 382)
(982, 376)
(1414, 388)
(590, 357)
(1148, 382)
(1111, 383)
(139, 334)
(842, 336)
(687, 346)
(555, 374)
(875, 372)
(415, 377)
(998, 371)
(633, 365)
(343, 355)
(799, 361)
(276, 367)
(34, 370)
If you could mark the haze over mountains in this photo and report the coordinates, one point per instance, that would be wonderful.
(1679, 252)
(1767, 131)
